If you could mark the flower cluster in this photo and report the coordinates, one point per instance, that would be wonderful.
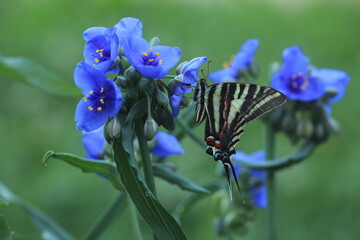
(312, 91)
(136, 68)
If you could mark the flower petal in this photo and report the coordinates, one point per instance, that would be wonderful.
(246, 54)
(190, 70)
(94, 31)
(128, 26)
(170, 56)
(166, 145)
(227, 74)
(94, 143)
(294, 62)
(88, 78)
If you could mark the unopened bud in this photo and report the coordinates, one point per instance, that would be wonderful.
(304, 128)
(146, 84)
(288, 123)
(171, 85)
(154, 41)
(321, 134)
(123, 82)
(131, 75)
(274, 68)
(254, 69)
(124, 63)
(150, 129)
(333, 125)
(166, 119)
(115, 63)
(162, 99)
(113, 128)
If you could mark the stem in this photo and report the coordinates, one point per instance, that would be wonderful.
(270, 183)
(135, 222)
(145, 156)
(107, 217)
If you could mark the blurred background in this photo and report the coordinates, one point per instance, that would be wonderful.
(317, 199)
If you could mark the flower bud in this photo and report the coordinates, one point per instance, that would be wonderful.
(289, 122)
(166, 119)
(274, 68)
(304, 128)
(123, 82)
(321, 134)
(113, 128)
(162, 99)
(150, 129)
(180, 67)
(115, 63)
(146, 85)
(171, 85)
(334, 126)
(154, 41)
(124, 63)
(133, 94)
(131, 75)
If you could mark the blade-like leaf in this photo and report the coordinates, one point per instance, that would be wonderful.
(182, 182)
(47, 225)
(103, 168)
(30, 73)
(5, 232)
(163, 225)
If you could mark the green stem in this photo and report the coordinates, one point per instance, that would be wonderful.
(145, 156)
(135, 222)
(270, 183)
(107, 217)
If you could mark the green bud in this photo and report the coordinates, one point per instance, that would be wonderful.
(321, 133)
(166, 119)
(123, 82)
(150, 129)
(115, 63)
(304, 128)
(288, 123)
(274, 68)
(234, 222)
(334, 126)
(131, 75)
(113, 129)
(154, 41)
(124, 63)
(171, 85)
(162, 99)
(180, 67)
(146, 84)
(133, 94)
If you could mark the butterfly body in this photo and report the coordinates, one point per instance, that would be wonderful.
(227, 108)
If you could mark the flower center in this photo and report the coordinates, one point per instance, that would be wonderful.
(150, 58)
(299, 81)
(100, 56)
(96, 99)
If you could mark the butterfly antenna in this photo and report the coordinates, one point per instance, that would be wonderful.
(208, 70)
(227, 173)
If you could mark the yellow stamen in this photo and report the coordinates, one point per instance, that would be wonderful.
(150, 49)
(294, 84)
(145, 54)
(94, 65)
(101, 54)
(96, 60)
(101, 89)
(90, 108)
(305, 83)
(85, 99)
(99, 50)
(102, 101)
(293, 77)
(99, 108)
(157, 54)
(91, 92)
(151, 60)
(160, 61)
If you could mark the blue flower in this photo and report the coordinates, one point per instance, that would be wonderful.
(294, 79)
(103, 98)
(102, 44)
(101, 51)
(242, 61)
(153, 62)
(94, 143)
(334, 81)
(126, 26)
(166, 145)
(188, 78)
(257, 192)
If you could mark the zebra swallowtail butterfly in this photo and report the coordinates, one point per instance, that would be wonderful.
(228, 107)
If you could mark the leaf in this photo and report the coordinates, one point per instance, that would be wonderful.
(34, 75)
(5, 232)
(163, 225)
(101, 167)
(177, 179)
(47, 225)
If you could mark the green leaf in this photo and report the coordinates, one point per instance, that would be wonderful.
(47, 225)
(34, 75)
(177, 179)
(5, 232)
(163, 225)
(103, 168)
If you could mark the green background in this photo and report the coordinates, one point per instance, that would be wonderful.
(318, 199)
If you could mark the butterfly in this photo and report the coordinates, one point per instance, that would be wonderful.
(228, 107)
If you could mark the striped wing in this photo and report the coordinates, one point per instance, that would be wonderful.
(230, 106)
